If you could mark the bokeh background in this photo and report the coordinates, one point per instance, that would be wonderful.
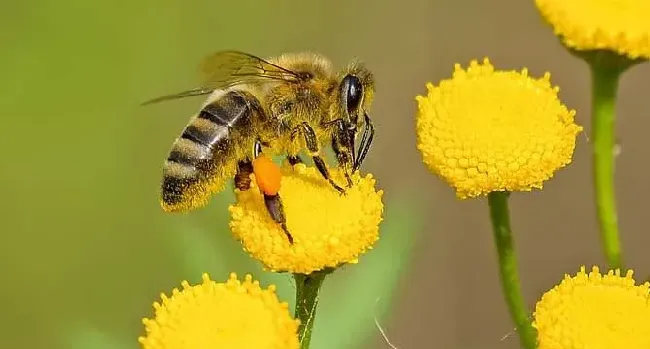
(86, 249)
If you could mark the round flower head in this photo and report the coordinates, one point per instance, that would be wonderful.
(594, 311)
(620, 26)
(328, 229)
(485, 130)
(234, 314)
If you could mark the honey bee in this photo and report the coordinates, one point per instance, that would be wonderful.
(276, 106)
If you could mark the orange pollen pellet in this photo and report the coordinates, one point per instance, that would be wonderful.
(267, 175)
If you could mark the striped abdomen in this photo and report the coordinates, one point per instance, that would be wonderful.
(203, 158)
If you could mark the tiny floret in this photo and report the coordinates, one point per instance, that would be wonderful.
(485, 130)
(328, 229)
(234, 314)
(594, 311)
(621, 26)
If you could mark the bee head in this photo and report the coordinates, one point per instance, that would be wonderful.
(356, 93)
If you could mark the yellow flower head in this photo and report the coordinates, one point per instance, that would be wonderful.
(485, 130)
(621, 26)
(328, 229)
(594, 311)
(234, 314)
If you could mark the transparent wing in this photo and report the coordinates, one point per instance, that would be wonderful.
(225, 69)
(199, 91)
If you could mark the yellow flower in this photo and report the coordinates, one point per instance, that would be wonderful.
(594, 311)
(234, 314)
(486, 130)
(329, 229)
(621, 26)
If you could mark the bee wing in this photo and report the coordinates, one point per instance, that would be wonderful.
(225, 69)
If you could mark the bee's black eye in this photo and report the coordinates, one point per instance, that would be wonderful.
(353, 91)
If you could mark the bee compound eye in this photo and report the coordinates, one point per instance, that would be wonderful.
(353, 93)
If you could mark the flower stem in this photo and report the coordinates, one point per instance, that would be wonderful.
(498, 202)
(604, 87)
(307, 288)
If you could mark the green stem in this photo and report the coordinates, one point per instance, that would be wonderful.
(307, 288)
(500, 216)
(604, 87)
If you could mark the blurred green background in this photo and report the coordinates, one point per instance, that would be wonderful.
(86, 249)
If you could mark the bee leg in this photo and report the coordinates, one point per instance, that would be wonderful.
(294, 160)
(273, 202)
(343, 160)
(366, 141)
(344, 150)
(347, 177)
(273, 205)
(312, 146)
(243, 176)
(322, 168)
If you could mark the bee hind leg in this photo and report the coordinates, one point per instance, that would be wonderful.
(272, 200)
(273, 205)
(312, 145)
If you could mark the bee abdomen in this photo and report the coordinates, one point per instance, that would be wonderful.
(202, 155)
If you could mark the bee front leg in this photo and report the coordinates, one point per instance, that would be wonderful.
(344, 149)
(312, 145)
(272, 199)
